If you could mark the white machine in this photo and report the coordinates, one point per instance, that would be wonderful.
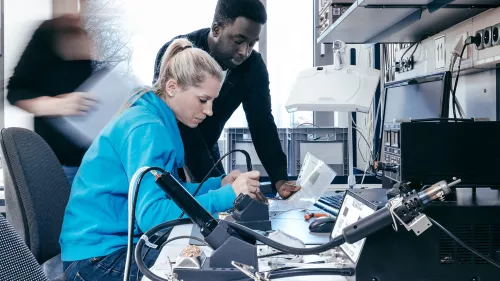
(338, 87)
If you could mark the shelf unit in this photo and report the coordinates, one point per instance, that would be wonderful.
(400, 21)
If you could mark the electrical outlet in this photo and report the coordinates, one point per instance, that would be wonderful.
(440, 52)
(494, 34)
(463, 37)
(487, 37)
(480, 33)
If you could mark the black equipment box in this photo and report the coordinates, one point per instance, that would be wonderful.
(427, 152)
(471, 215)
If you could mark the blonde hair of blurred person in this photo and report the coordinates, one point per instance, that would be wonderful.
(145, 133)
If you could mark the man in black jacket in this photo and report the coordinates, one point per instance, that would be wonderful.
(235, 31)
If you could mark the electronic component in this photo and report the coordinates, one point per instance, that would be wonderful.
(330, 14)
(472, 215)
(251, 213)
(442, 150)
(417, 98)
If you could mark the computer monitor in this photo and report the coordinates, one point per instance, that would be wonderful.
(422, 97)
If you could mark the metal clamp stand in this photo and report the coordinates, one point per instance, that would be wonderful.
(219, 267)
(251, 213)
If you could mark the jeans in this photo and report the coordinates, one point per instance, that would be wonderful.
(70, 172)
(109, 268)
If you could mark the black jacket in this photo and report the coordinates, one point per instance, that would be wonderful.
(248, 84)
(42, 72)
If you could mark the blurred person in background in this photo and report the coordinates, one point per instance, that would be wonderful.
(56, 61)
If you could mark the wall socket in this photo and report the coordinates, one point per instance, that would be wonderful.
(440, 52)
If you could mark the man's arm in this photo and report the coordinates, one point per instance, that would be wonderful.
(262, 127)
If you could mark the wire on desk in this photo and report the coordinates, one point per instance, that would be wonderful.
(296, 272)
(271, 255)
(185, 237)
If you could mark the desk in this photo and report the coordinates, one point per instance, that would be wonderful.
(173, 249)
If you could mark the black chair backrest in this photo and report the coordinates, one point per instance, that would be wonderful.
(36, 191)
(16, 260)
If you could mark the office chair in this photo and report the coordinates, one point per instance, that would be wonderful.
(18, 263)
(36, 191)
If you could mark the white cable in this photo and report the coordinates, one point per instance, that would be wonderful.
(366, 169)
(131, 192)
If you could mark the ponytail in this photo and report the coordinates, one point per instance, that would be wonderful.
(187, 65)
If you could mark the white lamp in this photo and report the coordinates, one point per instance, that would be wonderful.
(337, 87)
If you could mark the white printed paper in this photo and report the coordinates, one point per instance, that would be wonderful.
(351, 211)
(314, 178)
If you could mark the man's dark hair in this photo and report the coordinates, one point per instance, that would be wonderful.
(228, 10)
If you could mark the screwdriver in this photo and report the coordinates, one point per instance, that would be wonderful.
(314, 215)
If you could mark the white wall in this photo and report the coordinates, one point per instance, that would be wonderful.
(21, 17)
(475, 91)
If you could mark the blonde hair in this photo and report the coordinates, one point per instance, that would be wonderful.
(187, 65)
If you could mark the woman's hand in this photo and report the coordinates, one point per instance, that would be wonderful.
(247, 183)
(231, 177)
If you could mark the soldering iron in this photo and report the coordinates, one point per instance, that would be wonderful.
(234, 243)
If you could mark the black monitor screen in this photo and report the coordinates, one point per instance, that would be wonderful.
(414, 101)
(424, 97)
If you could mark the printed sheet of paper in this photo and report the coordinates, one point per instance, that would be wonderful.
(314, 178)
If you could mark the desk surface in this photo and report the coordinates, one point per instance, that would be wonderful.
(172, 251)
(287, 222)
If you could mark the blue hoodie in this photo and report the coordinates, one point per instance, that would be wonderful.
(95, 221)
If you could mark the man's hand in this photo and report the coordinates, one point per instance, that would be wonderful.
(230, 178)
(286, 188)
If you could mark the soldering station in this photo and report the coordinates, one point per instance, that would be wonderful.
(436, 217)
(406, 228)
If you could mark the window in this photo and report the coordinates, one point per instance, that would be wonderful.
(152, 23)
(290, 50)
(148, 24)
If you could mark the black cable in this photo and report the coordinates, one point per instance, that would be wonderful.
(130, 238)
(138, 248)
(295, 272)
(463, 244)
(416, 46)
(441, 119)
(337, 241)
(248, 162)
(249, 168)
(454, 92)
(271, 255)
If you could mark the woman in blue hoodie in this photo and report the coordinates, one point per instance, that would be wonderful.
(94, 233)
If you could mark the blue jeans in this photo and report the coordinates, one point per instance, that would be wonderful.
(70, 172)
(109, 268)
